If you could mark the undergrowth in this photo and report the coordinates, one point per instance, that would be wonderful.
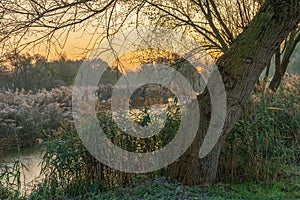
(260, 159)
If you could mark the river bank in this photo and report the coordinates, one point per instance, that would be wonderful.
(29, 160)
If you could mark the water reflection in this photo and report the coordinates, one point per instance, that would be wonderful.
(31, 158)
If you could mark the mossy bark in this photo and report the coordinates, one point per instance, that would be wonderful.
(240, 68)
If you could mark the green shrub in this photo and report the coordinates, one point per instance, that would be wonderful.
(266, 139)
(67, 166)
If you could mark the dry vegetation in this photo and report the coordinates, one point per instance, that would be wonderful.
(27, 118)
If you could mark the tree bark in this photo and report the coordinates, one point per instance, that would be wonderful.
(281, 65)
(240, 68)
(277, 75)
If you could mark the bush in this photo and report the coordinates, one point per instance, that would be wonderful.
(266, 140)
(26, 117)
(67, 166)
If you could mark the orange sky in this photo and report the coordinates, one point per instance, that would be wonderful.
(78, 41)
(74, 48)
(133, 60)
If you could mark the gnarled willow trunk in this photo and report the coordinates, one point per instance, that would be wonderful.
(240, 67)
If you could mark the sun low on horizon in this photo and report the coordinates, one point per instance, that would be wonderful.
(134, 60)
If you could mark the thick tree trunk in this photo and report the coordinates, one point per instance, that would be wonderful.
(240, 67)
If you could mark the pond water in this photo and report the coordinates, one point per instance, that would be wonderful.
(31, 158)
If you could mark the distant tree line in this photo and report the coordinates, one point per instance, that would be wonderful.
(33, 72)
